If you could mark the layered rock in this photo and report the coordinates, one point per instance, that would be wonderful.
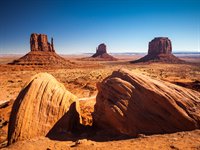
(42, 53)
(160, 45)
(160, 49)
(42, 108)
(39, 42)
(101, 53)
(132, 104)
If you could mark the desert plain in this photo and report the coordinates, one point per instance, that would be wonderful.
(81, 80)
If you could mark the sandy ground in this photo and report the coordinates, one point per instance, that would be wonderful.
(81, 81)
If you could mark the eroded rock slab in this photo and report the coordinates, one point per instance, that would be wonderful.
(42, 107)
(132, 104)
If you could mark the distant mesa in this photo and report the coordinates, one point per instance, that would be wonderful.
(42, 53)
(160, 50)
(100, 51)
(101, 54)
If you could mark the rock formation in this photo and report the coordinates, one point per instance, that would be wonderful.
(160, 45)
(132, 104)
(101, 53)
(42, 53)
(160, 49)
(39, 42)
(100, 50)
(42, 108)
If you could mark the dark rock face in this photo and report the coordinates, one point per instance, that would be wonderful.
(160, 45)
(160, 50)
(100, 50)
(130, 104)
(39, 42)
(101, 54)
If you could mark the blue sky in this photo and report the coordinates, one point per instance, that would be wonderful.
(78, 26)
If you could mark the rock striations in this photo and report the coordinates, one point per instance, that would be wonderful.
(42, 53)
(132, 104)
(126, 104)
(160, 50)
(43, 107)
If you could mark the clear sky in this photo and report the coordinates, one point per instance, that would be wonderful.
(78, 26)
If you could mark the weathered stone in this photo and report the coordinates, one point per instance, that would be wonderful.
(160, 45)
(42, 53)
(100, 50)
(39, 42)
(42, 108)
(160, 50)
(132, 104)
(101, 53)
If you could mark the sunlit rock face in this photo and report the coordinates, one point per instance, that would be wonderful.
(129, 103)
(160, 50)
(160, 45)
(41, 53)
(39, 42)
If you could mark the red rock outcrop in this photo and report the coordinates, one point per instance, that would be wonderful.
(160, 49)
(132, 104)
(101, 53)
(43, 107)
(39, 42)
(42, 53)
(160, 45)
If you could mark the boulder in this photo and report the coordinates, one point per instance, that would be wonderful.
(42, 108)
(160, 50)
(130, 104)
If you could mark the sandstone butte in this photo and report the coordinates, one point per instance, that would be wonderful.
(42, 53)
(43, 107)
(101, 54)
(126, 104)
(130, 104)
(160, 50)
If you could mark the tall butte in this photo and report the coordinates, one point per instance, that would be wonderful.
(101, 53)
(39, 42)
(42, 53)
(160, 50)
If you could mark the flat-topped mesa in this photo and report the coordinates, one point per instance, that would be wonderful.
(39, 42)
(100, 50)
(160, 50)
(160, 45)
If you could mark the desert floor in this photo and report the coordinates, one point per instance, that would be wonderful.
(81, 81)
